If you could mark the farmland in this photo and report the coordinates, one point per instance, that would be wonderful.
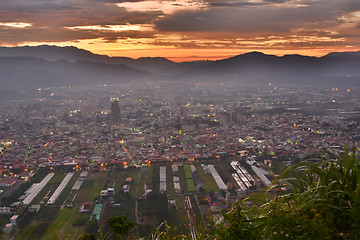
(136, 191)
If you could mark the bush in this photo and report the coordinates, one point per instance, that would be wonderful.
(323, 203)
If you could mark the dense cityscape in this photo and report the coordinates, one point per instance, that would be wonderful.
(125, 150)
(179, 119)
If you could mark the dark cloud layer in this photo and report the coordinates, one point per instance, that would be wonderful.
(215, 23)
(235, 4)
(50, 20)
(256, 18)
(34, 6)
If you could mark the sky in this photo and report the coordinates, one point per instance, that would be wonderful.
(184, 30)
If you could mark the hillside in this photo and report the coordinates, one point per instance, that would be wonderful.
(42, 66)
(30, 72)
(341, 69)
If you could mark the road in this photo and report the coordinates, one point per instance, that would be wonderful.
(192, 220)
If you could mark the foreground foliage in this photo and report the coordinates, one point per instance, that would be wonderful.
(120, 226)
(322, 201)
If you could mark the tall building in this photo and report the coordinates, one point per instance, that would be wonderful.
(115, 112)
(183, 111)
(224, 118)
(236, 114)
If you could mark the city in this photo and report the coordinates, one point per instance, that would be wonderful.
(74, 154)
(179, 119)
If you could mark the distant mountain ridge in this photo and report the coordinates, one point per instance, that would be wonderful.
(29, 67)
(53, 53)
(30, 73)
(342, 69)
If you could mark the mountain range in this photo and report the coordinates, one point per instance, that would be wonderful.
(46, 66)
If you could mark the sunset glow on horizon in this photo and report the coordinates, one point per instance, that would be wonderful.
(184, 30)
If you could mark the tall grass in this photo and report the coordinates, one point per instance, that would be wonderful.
(320, 201)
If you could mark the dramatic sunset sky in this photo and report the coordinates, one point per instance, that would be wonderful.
(184, 29)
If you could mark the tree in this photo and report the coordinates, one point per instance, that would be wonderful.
(120, 226)
(93, 227)
(87, 236)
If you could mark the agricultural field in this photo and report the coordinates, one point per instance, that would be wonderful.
(208, 181)
(190, 185)
(99, 184)
(66, 196)
(140, 188)
(187, 170)
(169, 181)
(183, 182)
(64, 221)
